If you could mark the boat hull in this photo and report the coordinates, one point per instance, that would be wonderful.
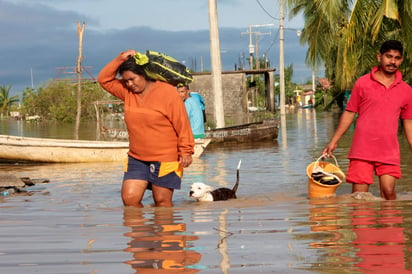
(259, 131)
(26, 149)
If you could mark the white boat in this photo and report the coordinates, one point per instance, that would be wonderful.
(27, 149)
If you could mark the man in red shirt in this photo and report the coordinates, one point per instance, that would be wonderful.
(379, 98)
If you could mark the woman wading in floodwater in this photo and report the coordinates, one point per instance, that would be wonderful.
(161, 142)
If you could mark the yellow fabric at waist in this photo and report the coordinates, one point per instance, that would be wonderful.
(168, 167)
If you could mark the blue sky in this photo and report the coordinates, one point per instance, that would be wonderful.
(41, 35)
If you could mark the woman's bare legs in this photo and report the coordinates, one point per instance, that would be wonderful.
(133, 191)
(162, 196)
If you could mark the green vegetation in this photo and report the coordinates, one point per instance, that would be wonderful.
(256, 87)
(6, 102)
(289, 85)
(57, 101)
(345, 36)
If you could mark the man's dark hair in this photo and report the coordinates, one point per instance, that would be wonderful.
(391, 45)
(130, 65)
(180, 85)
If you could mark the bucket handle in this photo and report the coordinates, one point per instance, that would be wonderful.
(322, 156)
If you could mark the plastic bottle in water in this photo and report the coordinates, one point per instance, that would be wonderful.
(8, 192)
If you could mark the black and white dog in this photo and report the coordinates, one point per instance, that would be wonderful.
(205, 193)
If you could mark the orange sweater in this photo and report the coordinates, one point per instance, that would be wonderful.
(158, 125)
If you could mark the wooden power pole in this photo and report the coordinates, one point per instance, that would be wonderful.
(80, 30)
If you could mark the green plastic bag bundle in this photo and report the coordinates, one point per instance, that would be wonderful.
(164, 68)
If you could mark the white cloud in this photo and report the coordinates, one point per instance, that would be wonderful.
(42, 34)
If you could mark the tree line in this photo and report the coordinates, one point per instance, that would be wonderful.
(344, 36)
(55, 101)
(7, 101)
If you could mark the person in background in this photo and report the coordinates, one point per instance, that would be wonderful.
(201, 101)
(380, 98)
(161, 142)
(194, 110)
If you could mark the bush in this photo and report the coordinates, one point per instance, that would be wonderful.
(57, 101)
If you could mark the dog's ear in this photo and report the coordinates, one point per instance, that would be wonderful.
(209, 188)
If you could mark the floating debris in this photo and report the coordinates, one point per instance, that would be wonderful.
(11, 184)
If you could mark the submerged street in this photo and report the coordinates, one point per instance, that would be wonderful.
(77, 223)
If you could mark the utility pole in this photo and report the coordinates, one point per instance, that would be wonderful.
(252, 47)
(313, 80)
(251, 53)
(80, 31)
(216, 64)
(257, 34)
(31, 77)
(281, 60)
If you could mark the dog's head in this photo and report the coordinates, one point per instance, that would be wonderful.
(198, 191)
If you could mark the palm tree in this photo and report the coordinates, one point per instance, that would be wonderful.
(344, 35)
(5, 101)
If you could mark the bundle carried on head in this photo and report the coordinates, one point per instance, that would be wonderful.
(164, 68)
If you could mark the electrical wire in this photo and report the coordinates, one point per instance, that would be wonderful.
(263, 8)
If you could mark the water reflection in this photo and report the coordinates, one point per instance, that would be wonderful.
(327, 223)
(158, 241)
(366, 237)
(48, 129)
(379, 237)
(271, 228)
(223, 245)
(283, 131)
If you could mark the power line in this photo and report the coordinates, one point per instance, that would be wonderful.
(263, 8)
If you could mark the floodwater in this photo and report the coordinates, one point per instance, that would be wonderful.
(77, 223)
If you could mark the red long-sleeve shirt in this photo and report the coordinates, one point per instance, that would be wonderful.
(158, 125)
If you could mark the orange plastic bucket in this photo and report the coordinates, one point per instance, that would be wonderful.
(317, 189)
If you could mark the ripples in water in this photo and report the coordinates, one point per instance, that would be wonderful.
(77, 224)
